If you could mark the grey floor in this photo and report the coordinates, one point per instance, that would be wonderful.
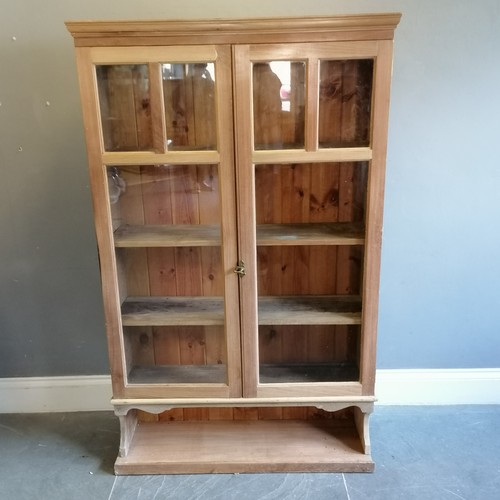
(422, 453)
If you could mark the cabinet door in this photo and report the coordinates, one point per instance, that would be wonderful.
(311, 131)
(160, 131)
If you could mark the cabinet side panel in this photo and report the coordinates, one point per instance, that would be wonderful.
(374, 216)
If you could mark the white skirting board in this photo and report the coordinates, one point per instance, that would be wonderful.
(394, 387)
(438, 386)
(55, 394)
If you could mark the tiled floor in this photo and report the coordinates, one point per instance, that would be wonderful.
(424, 453)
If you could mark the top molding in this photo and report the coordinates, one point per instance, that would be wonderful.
(219, 31)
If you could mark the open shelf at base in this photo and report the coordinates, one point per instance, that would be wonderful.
(239, 446)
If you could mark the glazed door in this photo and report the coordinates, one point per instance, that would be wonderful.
(162, 169)
(309, 179)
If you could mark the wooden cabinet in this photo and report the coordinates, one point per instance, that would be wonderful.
(237, 172)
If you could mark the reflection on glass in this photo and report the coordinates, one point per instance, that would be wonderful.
(345, 92)
(175, 355)
(125, 107)
(164, 194)
(278, 104)
(189, 95)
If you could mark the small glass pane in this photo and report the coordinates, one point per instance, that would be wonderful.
(175, 355)
(279, 104)
(189, 95)
(345, 94)
(125, 107)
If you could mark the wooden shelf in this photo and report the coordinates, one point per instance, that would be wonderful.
(206, 311)
(310, 310)
(308, 373)
(245, 446)
(337, 233)
(268, 373)
(173, 311)
(173, 235)
(178, 374)
(204, 235)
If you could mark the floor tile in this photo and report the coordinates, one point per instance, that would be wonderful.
(231, 487)
(432, 453)
(57, 456)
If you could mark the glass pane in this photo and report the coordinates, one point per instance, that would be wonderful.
(189, 95)
(304, 353)
(175, 355)
(310, 235)
(166, 222)
(345, 93)
(278, 104)
(125, 107)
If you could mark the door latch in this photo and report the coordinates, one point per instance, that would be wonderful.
(240, 269)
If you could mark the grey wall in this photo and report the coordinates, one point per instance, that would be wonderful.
(440, 292)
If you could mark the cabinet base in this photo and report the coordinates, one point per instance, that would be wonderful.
(191, 447)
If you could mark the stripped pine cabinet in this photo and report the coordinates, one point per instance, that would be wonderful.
(237, 173)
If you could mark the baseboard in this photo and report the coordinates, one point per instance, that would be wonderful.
(438, 387)
(55, 394)
(394, 387)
